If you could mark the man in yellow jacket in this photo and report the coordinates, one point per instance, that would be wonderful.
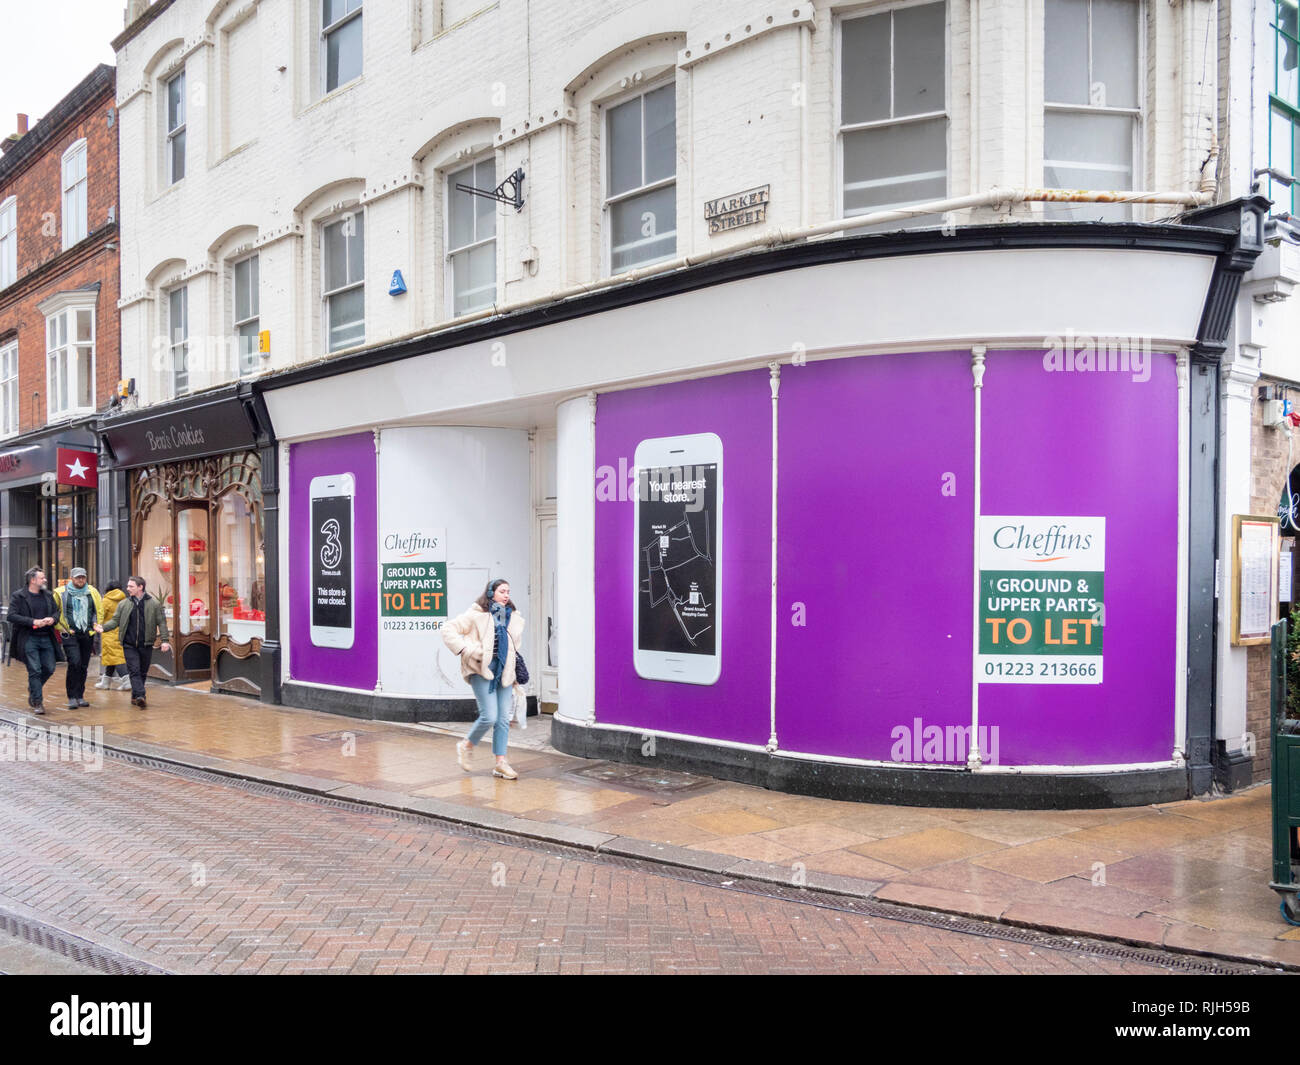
(78, 604)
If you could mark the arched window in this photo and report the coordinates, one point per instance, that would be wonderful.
(471, 237)
(641, 177)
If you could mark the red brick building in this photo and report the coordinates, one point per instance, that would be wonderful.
(59, 337)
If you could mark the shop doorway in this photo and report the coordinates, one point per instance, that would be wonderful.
(66, 531)
(194, 593)
(197, 531)
(549, 675)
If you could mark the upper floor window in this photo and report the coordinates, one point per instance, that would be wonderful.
(1284, 104)
(9, 388)
(471, 238)
(74, 194)
(175, 146)
(894, 108)
(8, 242)
(1092, 99)
(178, 339)
(246, 321)
(641, 179)
(70, 361)
(340, 41)
(344, 290)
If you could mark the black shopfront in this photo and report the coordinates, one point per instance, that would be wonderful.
(197, 518)
(49, 513)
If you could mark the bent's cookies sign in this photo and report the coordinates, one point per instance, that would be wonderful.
(1042, 600)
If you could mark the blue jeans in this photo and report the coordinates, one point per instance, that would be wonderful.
(39, 655)
(493, 713)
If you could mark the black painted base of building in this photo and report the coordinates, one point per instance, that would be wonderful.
(901, 786)
(371, 707)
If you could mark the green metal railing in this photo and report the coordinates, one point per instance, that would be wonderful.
(1285, 733)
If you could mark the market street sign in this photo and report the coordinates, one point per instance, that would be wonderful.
(740, 209)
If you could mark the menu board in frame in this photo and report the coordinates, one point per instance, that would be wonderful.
(1255, 543)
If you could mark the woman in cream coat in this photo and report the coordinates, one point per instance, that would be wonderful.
(486, 637)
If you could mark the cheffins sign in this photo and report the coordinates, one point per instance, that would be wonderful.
(1042, 600)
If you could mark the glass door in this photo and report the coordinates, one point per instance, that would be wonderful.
(194, 603)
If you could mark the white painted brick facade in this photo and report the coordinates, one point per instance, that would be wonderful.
(268, 158)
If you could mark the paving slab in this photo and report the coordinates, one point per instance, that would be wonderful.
(1192, 873)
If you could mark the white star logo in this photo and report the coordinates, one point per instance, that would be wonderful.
(76, 469)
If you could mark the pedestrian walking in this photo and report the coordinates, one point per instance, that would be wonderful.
(486, 637)
(79, 605)
(33, 616)
(112, 663)
(139, 620)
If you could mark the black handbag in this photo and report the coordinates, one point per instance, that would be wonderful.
(521, 669)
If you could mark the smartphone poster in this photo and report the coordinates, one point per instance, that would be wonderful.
(331, 562)
(677, 567)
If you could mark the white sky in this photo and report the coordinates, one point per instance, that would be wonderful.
(49, 46)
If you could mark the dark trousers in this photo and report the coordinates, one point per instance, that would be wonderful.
(40, 665)
(137, 664)
(78, 647)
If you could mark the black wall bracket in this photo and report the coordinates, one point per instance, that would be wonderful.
(515, 198)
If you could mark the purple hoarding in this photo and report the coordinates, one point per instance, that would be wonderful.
(876, 551)
(875, 505)
(737, 408)
(1092, 444)
(358, 665)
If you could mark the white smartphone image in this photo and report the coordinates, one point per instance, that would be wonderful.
(677, 556)
(332, 570)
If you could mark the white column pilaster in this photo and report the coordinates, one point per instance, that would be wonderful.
(575, 557)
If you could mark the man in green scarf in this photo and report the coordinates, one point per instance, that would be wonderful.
(78, 604)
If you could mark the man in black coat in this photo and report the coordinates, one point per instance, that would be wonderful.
(33, 615)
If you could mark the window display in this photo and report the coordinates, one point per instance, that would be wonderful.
(198, 542)
(241, 585)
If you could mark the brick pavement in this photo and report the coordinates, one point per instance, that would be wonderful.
(210, 877)
(1191, 873)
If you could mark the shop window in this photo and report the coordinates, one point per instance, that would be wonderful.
(1284, 104)
(241, 579)
(74, 194)
(246, 308)
(175, 143)
(1092, 101)
(193, 571)
(70, 362)
(8, 242)
(340, 41)
(154, 561)
(197, 539)
(343, 254)
(894, 108)
(66, 531)
(178, 339)
(641, 179)
(9, 389)
(471, 238)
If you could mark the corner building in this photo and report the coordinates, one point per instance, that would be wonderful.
(887, 281)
